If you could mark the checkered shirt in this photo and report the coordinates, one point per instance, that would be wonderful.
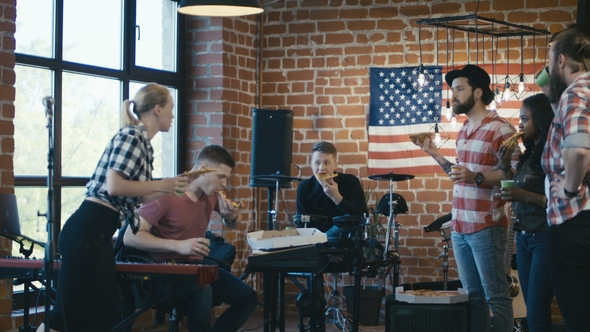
(130, 153)
(570, 129)
(476, 207)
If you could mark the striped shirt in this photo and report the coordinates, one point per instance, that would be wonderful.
(476, 207)
(131, 154)
(570, 129)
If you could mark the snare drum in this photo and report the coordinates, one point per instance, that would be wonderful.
(310, 221)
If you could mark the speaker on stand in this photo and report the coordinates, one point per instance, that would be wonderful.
(272, 139)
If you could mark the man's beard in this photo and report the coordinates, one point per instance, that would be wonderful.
(556, 85)
(463, 108)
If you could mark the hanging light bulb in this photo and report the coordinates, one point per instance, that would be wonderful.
(448, 113)
(498, 96)
(436, 134)
(521, 84)
(506, 93)
(493, 105)
(421, 77)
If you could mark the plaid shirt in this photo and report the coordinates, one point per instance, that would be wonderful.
(130, 153)
(476, 207)
(570, 129)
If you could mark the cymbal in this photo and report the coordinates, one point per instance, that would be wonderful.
(275, 177)
(391, 176)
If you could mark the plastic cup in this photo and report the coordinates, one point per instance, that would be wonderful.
(543, 77)
(507, 184)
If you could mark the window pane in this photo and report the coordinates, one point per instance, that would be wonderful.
(31, 136)
(91, 108)
(34, 28)
(164, 144)
(155, 34)
(92, 32)
(31, 200)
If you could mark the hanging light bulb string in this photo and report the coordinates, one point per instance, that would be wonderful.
(421, 78)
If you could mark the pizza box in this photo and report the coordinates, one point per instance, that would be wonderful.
(285, 238)
(400, 295)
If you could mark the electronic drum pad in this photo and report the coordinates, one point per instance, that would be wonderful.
(345, 229)
(310, 221)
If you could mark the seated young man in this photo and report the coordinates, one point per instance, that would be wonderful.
(173, 227)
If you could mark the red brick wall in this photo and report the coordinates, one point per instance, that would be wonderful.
(315, 59)
(7, 94)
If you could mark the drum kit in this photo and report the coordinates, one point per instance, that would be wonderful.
(390, 205)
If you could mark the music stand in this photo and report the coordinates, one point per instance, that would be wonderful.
(391, 220)
(10, 228)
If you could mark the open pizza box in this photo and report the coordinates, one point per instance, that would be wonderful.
(285, 238)
(460, 295)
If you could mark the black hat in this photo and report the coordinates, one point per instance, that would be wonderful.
(478, 76)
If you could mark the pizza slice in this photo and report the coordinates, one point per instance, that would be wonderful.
(512, 140)
(224, 196)
(199, 171)
(420, 137)
(324, 176)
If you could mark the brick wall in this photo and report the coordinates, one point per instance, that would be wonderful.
(7, 94)
(315, 58)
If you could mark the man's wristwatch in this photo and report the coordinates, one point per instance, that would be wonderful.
(479, 178)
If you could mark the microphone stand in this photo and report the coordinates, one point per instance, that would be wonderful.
(50, 214)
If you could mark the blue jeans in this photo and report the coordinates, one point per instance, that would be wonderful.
(481, 262)
(568, 253)
(533, 272)
(226, 289)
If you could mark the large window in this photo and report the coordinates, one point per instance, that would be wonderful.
(89, 57)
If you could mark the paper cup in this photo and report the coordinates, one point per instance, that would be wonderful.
(507, 184)
(543, 77)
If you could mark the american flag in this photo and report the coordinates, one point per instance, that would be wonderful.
(399, 108)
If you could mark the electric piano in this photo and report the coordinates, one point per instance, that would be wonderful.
(174, 274)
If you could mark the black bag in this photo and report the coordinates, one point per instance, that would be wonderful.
(220, 253)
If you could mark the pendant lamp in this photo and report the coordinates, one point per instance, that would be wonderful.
(220, 7)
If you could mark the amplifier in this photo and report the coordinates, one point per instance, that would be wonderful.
(421, 317)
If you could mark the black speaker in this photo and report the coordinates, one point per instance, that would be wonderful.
(272, 139)
(422, 317)
(427, 317)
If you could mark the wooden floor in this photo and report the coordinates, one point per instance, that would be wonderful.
(292, 322)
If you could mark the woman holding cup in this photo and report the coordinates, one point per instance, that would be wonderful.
(529, 202)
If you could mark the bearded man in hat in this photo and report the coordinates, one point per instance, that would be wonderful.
(479, 223)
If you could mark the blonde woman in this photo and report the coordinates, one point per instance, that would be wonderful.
(122, 180)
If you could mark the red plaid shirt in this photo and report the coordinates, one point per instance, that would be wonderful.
(476, 207)
(570, 129)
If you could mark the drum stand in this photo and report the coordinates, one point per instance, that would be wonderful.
(445, 256)
(391, 221)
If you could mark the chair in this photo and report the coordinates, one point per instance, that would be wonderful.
(137, 295)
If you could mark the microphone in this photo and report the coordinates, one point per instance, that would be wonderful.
(48, 103)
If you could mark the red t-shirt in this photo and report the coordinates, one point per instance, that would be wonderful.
(178, 218)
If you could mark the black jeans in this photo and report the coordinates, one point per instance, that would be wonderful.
(568, 254)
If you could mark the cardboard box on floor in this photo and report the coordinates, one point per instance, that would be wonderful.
(400, 295)
(285, 238)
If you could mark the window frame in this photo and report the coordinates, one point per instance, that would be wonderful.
(129, 72)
